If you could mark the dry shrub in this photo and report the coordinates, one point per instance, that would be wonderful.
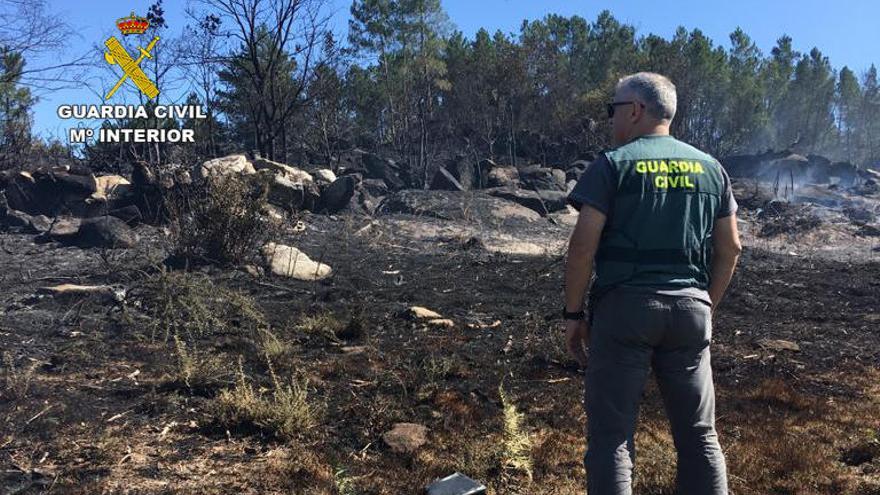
(220, 221)
(344, 484)
(191, 306)
(557, 451)
(16, 380)
(655, 460)
(326, 325)
(197, 369)
(299, 469)
(284, 411)
(272, 346)
(779, 394)
(516, 450)
(775, 456)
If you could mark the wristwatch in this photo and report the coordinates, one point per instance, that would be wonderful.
(573, 315)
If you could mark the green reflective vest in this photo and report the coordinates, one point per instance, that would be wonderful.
(659, 228)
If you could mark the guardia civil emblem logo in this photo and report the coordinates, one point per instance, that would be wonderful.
(116, 54)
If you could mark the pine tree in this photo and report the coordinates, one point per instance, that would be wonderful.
(16, 102)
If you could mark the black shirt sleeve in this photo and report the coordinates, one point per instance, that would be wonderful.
(728, 202)
(595, 187)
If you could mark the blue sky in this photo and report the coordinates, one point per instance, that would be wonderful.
(846, 31)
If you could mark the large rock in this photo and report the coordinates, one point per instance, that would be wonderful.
(324, 176)
(374, 187)
(542, 201)
(130, 214)
(288, 261)
(503, 177)
(750, 165)
(363, 202)
(337, 195)
(575, 169)
(104, 232)
(472, 206)
(293, 174)
(483, 168)
(464, 171)
(538, 177)
(19, 221)
(232, 164)
(845, 172)
(376, 167)
(294, 195)
(444, 180)
(75, 185)
(64, 229)
(110, 187)
(46, 192)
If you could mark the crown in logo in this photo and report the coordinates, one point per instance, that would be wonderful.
(132, 24)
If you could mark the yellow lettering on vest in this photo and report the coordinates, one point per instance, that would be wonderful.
(663, 167)
(652, 166)
(687, 181)
(660, 181)
(641, 167)
(698, 168)
(673, 167)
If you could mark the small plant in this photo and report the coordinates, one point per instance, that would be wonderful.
(516, 446)
(190, 306)
(325, 325)
(272, 346)
(344, 484)
(196, 369)
(437, 369)
(16, 381)
(285, 412)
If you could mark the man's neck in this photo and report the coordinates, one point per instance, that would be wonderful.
(651, 130)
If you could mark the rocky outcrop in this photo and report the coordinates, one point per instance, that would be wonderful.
(324, 176)
(293, 174)
(444, 180)
(538, 177)
(292, 192)
(541, 201)
(337, 195)
(473, 206)
(47, 192)
(395, 176)
(461, 174)
(503, 177)
(104, 232)
(227, 165)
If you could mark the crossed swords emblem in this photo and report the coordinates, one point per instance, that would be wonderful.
(117, 54)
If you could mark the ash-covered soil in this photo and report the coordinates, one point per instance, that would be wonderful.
(93, 400)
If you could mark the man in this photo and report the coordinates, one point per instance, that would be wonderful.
(658, 218)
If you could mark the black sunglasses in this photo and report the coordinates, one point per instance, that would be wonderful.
(613, 106)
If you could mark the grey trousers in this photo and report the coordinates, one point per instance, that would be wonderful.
(630, 334)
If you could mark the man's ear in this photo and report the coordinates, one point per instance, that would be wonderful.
(638, 111)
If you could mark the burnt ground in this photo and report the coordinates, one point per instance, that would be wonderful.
(94, 402)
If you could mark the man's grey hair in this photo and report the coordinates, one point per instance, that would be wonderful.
(656, 90)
